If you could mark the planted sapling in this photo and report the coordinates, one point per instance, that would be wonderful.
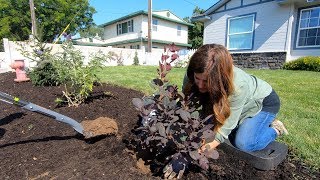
(172, 128)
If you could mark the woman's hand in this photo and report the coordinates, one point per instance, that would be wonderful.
(209, 146)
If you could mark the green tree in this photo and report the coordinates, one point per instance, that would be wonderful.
(52, 17)
(91, 31)
(195, 35)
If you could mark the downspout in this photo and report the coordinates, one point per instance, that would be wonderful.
(287, 47)
(141, 31)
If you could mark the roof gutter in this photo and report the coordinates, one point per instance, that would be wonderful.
(201, 18)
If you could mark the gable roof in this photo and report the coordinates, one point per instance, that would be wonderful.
(214, 7)
(146, 14)
(204, 16)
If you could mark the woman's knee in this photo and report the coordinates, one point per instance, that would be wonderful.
(245, 144)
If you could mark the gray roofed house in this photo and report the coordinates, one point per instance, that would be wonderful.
(264, 33)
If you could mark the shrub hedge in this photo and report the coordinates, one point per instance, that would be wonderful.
(307, 63)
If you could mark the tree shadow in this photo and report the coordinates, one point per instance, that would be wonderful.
(10, 118)
(2, 132)
(55, 138)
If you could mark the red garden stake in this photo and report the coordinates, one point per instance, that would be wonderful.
(19, 67)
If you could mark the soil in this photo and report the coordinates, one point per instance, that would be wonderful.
(34, 146)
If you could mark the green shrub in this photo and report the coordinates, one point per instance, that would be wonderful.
(136, 59)
(308, 63)
(78, 78)
(44, 75)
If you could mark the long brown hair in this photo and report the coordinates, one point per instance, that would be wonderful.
(216, 61)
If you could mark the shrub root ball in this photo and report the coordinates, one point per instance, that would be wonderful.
(99, 126)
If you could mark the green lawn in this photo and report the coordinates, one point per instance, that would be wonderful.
(299, 92)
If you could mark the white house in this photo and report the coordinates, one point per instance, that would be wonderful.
(131, 31)
(89, 40)
(264, 33)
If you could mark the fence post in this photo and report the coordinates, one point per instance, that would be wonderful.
(7, 56)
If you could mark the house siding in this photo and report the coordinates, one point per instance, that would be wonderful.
(298, 52)
(275, 32)
(221, 9)
(110, 31)
(233, 4)
(164, 13)
(166, 31)
(270, 26)
(247, 2)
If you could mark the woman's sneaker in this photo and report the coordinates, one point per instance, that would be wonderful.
(279, 126)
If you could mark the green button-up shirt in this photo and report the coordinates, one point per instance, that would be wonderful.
(246, 101)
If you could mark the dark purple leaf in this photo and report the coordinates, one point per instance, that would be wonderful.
(174, 57)
(204, 163)
(208, 134)
(194, 155)
(195, 145)
(173, 48)
(213, 154)
(161, 129)
(185, 115)
(164, 57)
(157, 81)
(138, 103)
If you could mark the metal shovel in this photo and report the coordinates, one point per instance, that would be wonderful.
(101, 128)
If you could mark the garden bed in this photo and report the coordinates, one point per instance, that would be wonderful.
(33, 146)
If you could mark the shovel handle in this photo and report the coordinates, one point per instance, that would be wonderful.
(12, 100)
(59, 117)
(41, 110)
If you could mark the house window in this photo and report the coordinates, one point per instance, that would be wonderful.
(240, 32)
(178, 30)
(135, 46)
(154, 24)
(125, 27)
(309, 28)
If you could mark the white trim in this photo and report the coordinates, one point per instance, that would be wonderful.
(288, 45)
(306, 28)
(251, 32)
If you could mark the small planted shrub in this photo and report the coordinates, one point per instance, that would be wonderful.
(43, 74)
(308, 63)
(77, 78)
(171, 124)
(136, 59)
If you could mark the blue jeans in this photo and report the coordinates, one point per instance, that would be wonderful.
(254, 133)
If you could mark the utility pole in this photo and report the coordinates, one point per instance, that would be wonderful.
(33, 18)
(149, 25)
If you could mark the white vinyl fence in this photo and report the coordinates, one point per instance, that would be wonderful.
(12, 52)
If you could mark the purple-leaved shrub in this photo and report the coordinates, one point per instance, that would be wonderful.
(171, 123)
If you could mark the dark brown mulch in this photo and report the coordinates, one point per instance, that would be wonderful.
(33, 146)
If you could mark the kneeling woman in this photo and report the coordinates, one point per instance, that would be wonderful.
(244, 106)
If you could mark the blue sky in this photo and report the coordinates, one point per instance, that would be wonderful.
(108, 10)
